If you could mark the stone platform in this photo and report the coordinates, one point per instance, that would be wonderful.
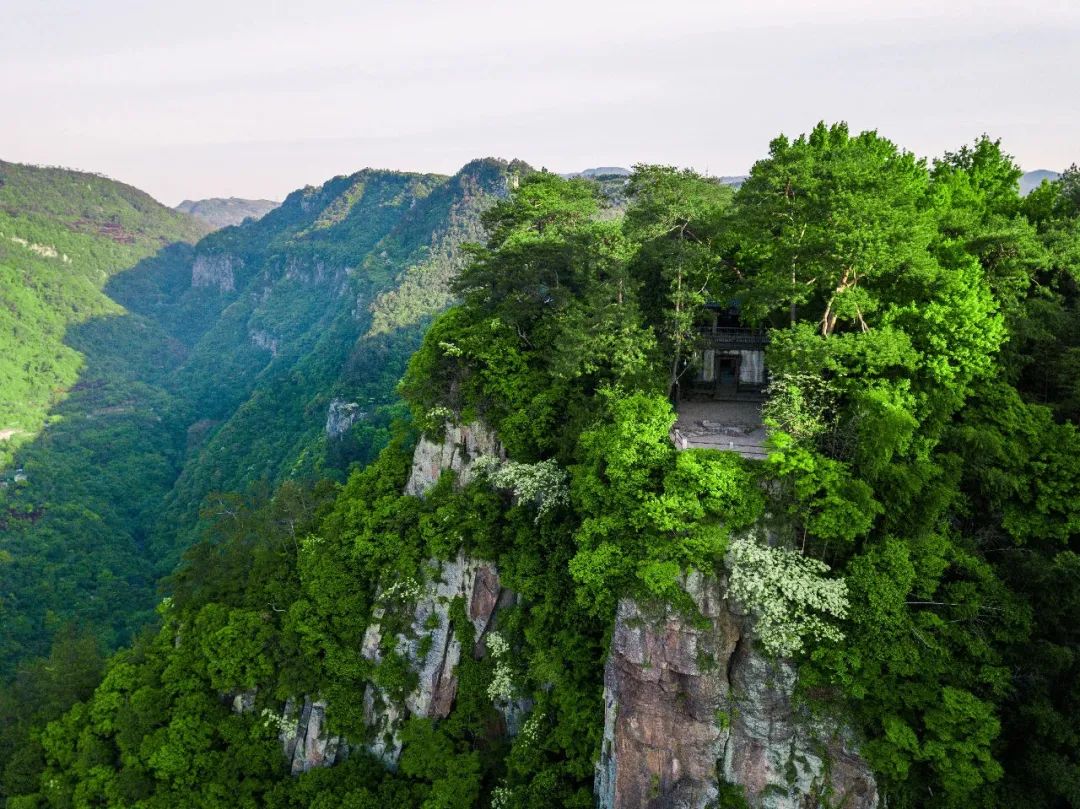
(731, 426)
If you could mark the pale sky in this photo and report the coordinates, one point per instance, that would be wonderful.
(254, 98)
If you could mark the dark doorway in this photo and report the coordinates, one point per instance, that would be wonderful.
(726, 367)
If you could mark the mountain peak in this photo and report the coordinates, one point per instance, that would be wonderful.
(220, 212)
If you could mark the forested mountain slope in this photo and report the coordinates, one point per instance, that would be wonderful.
(329, 298)
(72, 493)
(541, 602)
(204, 368)
(63, 234)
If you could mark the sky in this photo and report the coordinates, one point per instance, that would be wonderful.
(254, 98)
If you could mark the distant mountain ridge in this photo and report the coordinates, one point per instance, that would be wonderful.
(600, 171)
(1033, 179)
(221, 212)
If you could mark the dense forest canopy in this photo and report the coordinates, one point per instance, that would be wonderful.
(923, 480)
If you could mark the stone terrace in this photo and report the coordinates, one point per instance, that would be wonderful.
(733, 426)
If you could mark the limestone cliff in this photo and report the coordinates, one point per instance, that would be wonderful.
(215, 270)
(430, 645)
(461, 447)
(429, 642)
(340, 416)
(301, 724)
(305, 740)
(690, 705)
(691, 708)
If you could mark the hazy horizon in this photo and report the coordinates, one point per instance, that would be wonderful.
(254, 100)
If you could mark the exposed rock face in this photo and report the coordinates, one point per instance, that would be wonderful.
(431, 647)
(304, 739)
(687, 699)
(215, 271)
(664, 685)
(243, 701)
(781, 756)
(308, 271)
(340, 416)
(428, 641)
(265, 340)
(461, 447)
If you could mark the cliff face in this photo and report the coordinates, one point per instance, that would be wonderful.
(340, 416)
(691, 708)
(690, 705)
(431, 647)
(429, 642)
(214, 270)
(461, 447)
(305, 740)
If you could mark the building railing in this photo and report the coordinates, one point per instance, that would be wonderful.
(731, 337)
(678, 439)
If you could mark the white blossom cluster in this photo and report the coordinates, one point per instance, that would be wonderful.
(544, 483)
(530, 731)
(440, 413)
(278, 723)
(500, 797)
(501, 686)
(404, 590)
(789, 594)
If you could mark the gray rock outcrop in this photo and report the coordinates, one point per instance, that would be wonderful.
(340, 416)
(430, 645)
(215, 270)
(688, 702)
(264, 340)
(461, 447)
(305, 740)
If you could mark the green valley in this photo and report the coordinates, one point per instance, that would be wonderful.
(169, 370)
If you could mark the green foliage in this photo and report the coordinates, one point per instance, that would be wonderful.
(676, 218)
(63, 234)
(174, 399)
(549, 314)
(923, 346)
(648, 512)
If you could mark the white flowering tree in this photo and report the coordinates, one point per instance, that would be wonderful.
(543, 483)
(788, 593)
(501, 686)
